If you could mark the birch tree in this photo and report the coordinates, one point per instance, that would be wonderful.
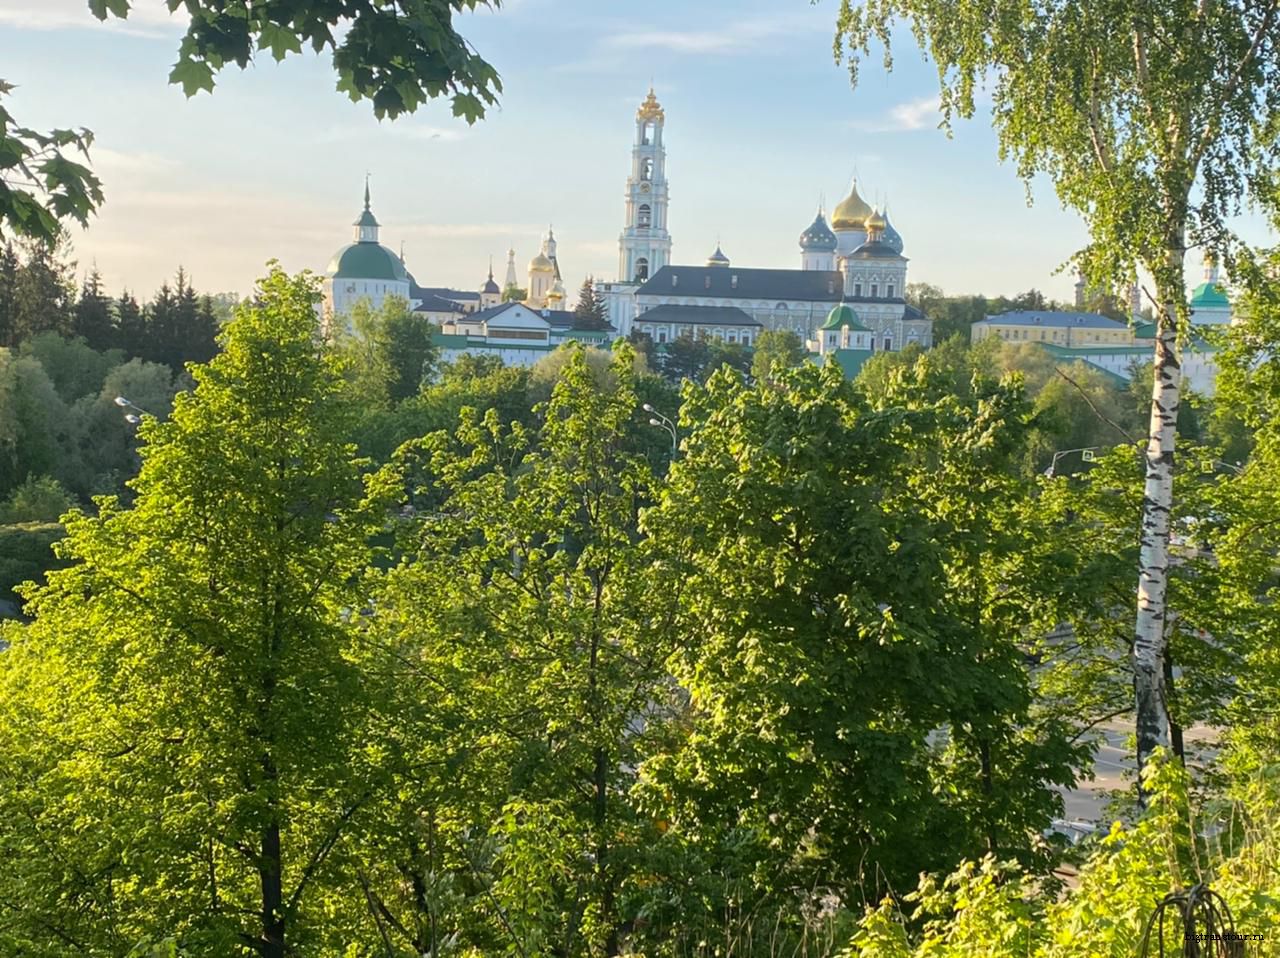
(1154, 121)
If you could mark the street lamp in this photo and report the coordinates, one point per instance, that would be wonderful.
(662, 422)
(1086, 454)
(130, 417)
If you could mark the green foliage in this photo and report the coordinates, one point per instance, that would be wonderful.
(514, 294)
(26, 555)
(74, 368)
(992, 909)
(410, 350)
(216, 737)
(854, 579)
(41, 185)
(779, 347)
(397, 57)
(36, 500)
(530, 643)
(589, 311)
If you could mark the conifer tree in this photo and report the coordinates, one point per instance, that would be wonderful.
(44, 294)
(589, 313)
(160, 345)
(131, 326)
(93, 319)
(8, 293)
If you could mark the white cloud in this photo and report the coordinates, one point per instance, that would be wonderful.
(147, 18)
(460, 230)
(922, 113)
(106, 160)
(403, 128)
(742, 37)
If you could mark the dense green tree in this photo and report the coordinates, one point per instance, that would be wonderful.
(131, 325)
(1153, 123)
(514, 294)
(217, 802)
(478, 382)
(534, 636)
(851, 575)
(39, 499)
(93, 320)
(410, 350)
(643, 344)
(72, 366)
(9, 266)
(685, 358)
(44, 293)
(589, 312)
(33, 422)
(779, 347)
(734, 355)
(160, 316)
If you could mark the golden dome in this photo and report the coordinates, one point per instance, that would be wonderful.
(650, 109)
(540, 264)
(875, 221)
(851, 212)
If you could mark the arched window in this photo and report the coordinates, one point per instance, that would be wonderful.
(646, 168)
(645, 215)
(781, 308)
(888, 343)
(642, 268)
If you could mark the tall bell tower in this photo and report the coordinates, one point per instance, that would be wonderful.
(645, 245)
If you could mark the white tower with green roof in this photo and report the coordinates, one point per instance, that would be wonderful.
(1209, 303)
(364, 269)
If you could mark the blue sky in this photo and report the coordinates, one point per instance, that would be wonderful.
(760, 123)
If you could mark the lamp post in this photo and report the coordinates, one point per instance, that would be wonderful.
(132, 418)
(662, 422)
(1086, 454)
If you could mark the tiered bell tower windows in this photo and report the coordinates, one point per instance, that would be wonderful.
(645, 245)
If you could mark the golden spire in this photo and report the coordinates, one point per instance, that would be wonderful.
(650, 109)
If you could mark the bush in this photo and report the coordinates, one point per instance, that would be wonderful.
(37, 500)
(26, 554)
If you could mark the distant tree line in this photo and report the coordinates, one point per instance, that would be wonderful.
(39, 294)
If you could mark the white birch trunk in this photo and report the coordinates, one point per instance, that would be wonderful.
(1149, 646)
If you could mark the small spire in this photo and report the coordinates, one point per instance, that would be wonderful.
(491, 267)
(402, 252)
(366, 191)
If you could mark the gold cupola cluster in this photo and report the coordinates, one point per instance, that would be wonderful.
(852, 212)
(650, 109)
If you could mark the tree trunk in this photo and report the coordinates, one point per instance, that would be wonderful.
(1149, 646)
(1175, 730)
(272, 892)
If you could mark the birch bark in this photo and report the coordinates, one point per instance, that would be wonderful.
(1150, 640)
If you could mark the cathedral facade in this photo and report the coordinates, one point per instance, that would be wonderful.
(856, 259)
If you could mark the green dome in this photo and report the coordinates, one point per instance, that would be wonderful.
(367, 261)
(1209, 296)
(366, 219)
(842, 315)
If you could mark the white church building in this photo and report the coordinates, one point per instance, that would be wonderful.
(857, 259)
